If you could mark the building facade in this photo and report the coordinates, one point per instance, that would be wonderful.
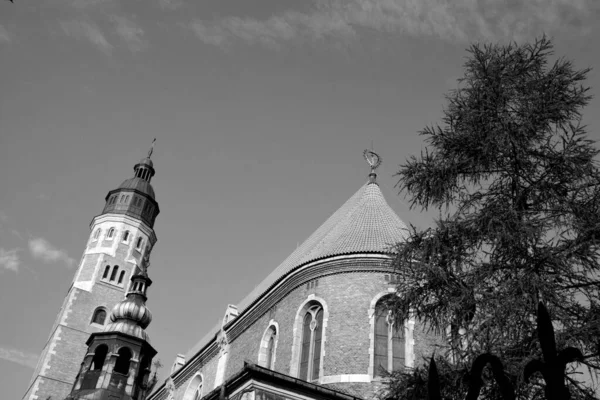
(121, 236)
(319, 318)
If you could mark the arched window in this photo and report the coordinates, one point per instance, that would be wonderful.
(99, 357)
(99, 316)
(125, 236)
(111, 233)
(106, 271)
(270, 352)
(389, 341)
(97, 234)
(194, 389)
(122, 363)
(310, 350)
(268, 344)
(113, 276)
(121, 277)
(139, 243)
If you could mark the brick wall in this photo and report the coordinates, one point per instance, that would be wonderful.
(347, 337)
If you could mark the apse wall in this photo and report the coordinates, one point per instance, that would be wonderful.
(346, 289)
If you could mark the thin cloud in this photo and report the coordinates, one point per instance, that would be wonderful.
(456, 21)
(18, 356)
(130, 33)
(86, 30)
(9, 259)
(170, 4)
(4, 35)
(42, 250)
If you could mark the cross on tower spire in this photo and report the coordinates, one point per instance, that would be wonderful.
(151, 148)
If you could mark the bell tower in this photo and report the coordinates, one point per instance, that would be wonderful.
(120, 238)
(117, 363)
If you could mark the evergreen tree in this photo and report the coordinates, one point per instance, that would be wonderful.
(517, 185)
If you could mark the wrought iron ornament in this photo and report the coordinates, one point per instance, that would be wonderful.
(373, 159)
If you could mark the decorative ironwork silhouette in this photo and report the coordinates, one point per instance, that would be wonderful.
(552, 368)
(555, 363)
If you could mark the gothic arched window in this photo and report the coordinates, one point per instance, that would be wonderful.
(97, 234)
(139, 243)
(123, 360)
(266, 353)
(125, 236)
(194, 389)
(99, 357)
(389, 341)
(310, 350)
(106, 271)
(99, 316)
(113, 276)
(111, 233)
(121, 277)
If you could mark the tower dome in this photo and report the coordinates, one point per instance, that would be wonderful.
(131, 316)
(133, 310)
(135, 196)
(138, 184)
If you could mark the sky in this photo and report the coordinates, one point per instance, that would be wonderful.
(261, 112)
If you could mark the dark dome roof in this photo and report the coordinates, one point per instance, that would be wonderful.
(138, 184)
(147, 161)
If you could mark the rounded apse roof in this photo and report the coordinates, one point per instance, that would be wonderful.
(138, 184)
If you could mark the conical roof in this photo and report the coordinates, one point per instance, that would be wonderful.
(364, 224)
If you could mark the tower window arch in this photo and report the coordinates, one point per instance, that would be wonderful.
(99, 316)
(310, 349)
(268, 346)
(106, 271)
(111, 233)
(99, 357)
(97, 234)
(126, 236)
(121, 276)
(123, 361)
(194, 389)
(113, 275)
(139, 243)
(388, 340)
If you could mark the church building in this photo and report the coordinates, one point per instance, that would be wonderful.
(315, 328)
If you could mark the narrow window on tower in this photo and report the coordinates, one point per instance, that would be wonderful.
(121, 277)
(139, 243)
(113, 276)
(389, 341)
(310, 349)
(97, 234)
(99, 316)
(111, 233)
(106, 271)
(126, 236)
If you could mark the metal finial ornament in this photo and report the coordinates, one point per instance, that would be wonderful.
(373, 159)
(151, 148)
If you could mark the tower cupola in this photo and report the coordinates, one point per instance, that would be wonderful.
(132, 316)
(135, 196)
